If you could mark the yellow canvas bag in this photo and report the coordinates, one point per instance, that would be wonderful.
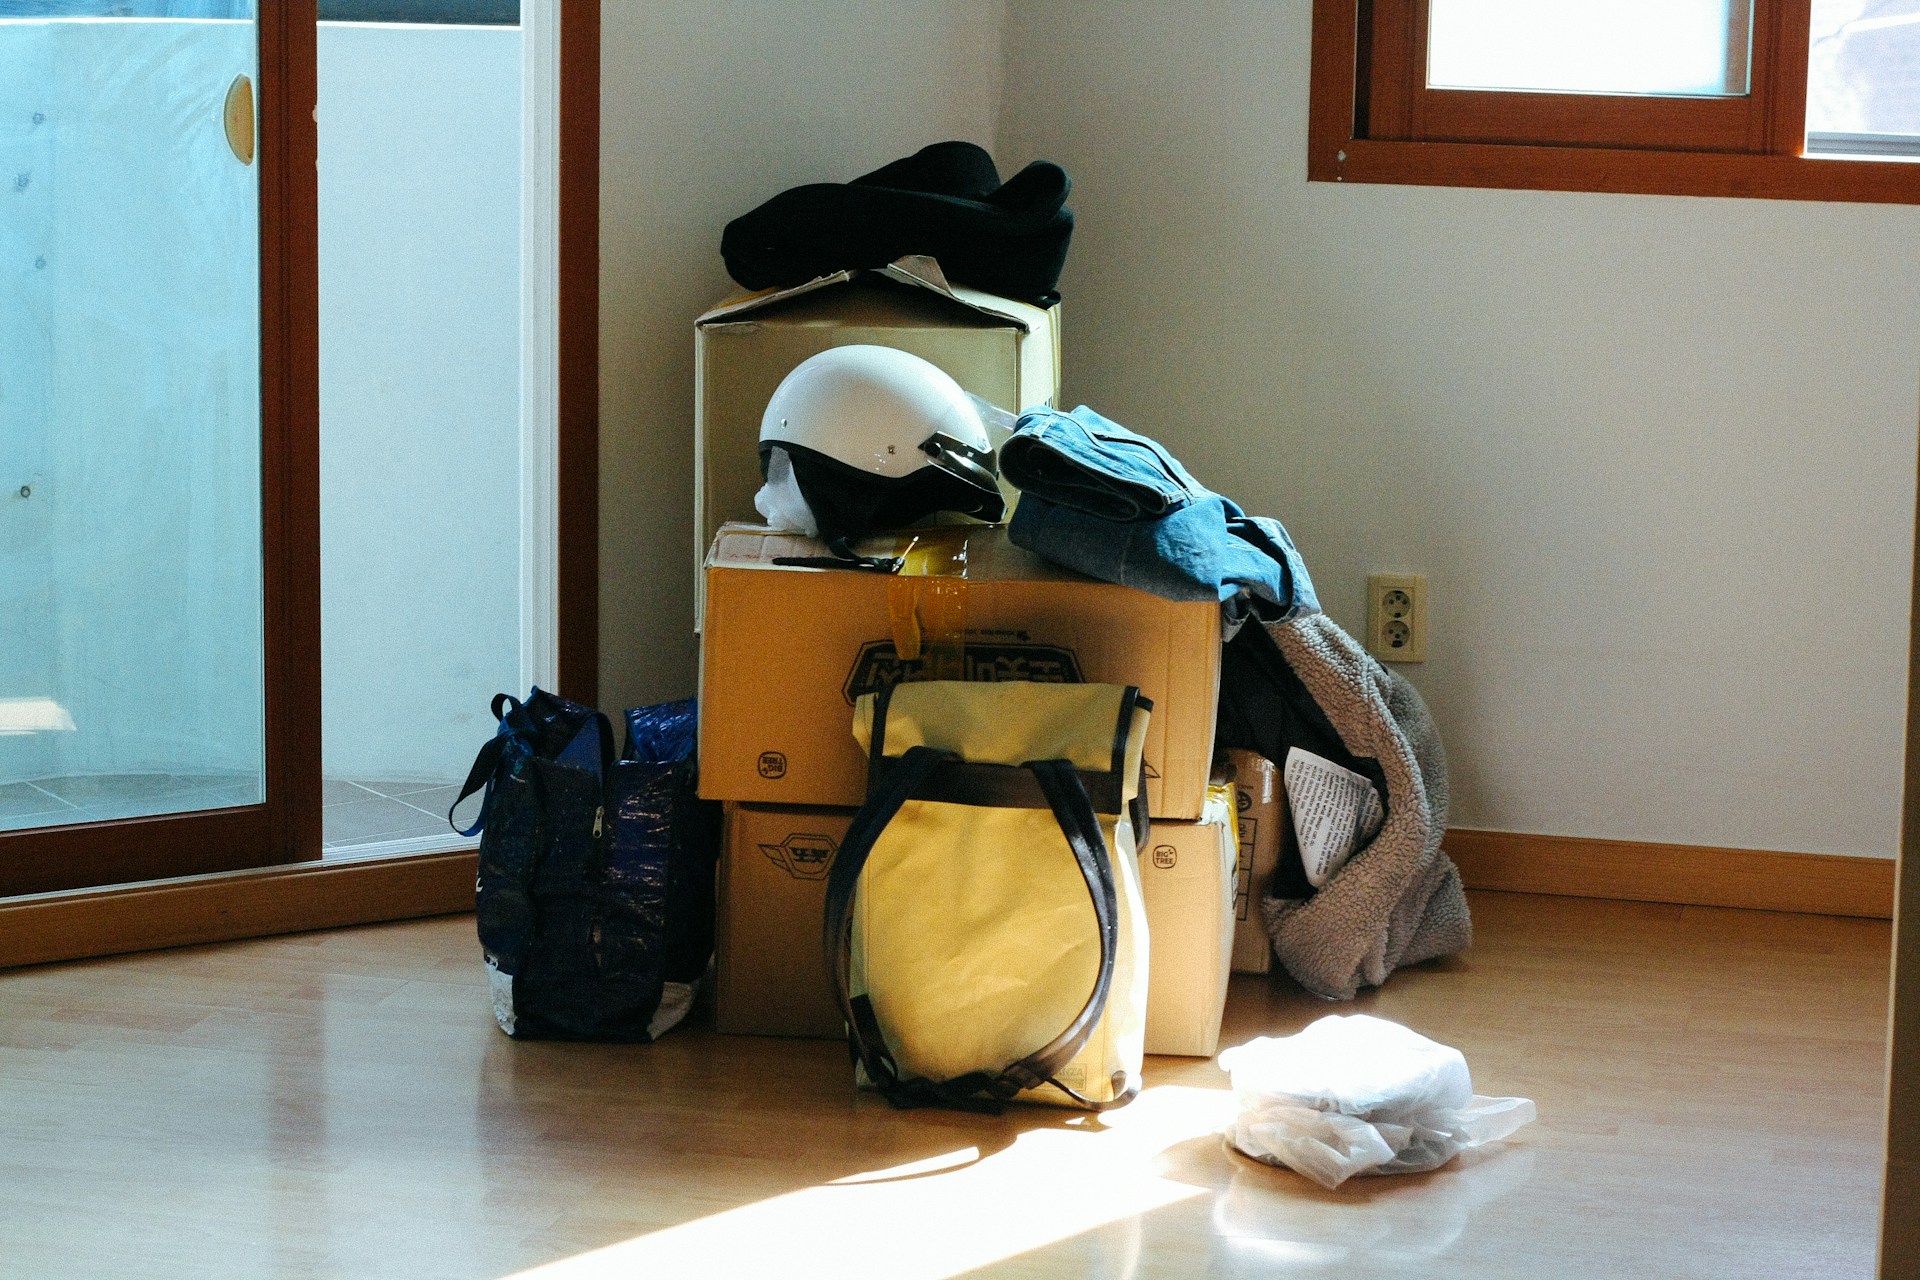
(984, 924)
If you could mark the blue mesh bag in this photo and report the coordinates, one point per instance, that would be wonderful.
(595, 895)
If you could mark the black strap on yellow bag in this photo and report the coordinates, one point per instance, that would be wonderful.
(926, 778)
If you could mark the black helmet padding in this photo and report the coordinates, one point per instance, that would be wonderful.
(850, 504)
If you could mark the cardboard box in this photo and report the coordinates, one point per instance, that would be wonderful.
(1260, 803)
(1003, 351)
(771, 976)
(787, 650)
(770, 972)
(1187, 874)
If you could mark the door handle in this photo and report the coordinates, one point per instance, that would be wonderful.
(239, 117)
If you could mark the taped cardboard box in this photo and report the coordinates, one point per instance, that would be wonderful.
(788, 649)
(770, 973)
(1001, 350)
(1260, 805)
(771, 976)
(1187, 875)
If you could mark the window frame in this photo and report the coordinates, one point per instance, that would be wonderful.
(1371, 118)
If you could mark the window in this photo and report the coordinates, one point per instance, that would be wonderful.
(1799, 99)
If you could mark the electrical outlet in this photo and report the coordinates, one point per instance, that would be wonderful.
(1397, 617)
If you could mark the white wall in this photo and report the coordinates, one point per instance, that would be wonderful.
(709, 107)
(1655, 455)
(419, 393)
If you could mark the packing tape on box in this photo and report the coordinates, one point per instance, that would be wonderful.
(927, 604)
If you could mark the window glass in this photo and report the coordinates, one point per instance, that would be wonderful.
(466, 12)
(242, 10)
(1679, 47)
(132, 622)
(1863, 73)
(422, 563)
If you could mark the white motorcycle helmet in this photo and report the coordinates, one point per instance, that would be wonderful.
(862, 438)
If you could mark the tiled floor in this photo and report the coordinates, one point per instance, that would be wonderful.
(358, 812)
(45, 802)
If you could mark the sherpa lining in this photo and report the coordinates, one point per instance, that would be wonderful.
(1398, 900)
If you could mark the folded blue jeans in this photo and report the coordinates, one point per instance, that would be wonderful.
(1117, 506)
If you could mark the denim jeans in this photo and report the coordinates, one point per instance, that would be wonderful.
(1115, 505)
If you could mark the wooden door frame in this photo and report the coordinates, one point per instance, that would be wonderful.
(290, 403)
(579, 354)
(287, 829)
(1900, 1208)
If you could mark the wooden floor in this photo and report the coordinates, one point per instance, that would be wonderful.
(1709, 1085)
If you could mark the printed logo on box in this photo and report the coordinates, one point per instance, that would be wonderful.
(1164, 856)
(804, 857)
(880, 666)
(773, 764)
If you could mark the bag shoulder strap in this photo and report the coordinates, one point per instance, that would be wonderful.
(979, 1090)
(514, 721)
(518, 721)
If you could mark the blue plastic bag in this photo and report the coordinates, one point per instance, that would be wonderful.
(595, 896)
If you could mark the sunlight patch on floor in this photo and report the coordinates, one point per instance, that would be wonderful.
(941, 1217)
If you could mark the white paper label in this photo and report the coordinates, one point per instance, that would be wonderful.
(1334, 811)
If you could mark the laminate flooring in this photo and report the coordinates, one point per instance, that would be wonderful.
(1709, 1086)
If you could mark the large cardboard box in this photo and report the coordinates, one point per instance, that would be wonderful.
(788, 649)
(1001, 350)
(1260, 802)
(770, 971)
(1187, 874)
(771, 976)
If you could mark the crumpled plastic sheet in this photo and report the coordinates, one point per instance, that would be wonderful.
(1357, 1094)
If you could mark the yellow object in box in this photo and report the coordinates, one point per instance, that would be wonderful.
(1260, 806)
(1187, 876)
(788, 650)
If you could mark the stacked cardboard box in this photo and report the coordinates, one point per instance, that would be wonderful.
(787, 649)
(1005, 352)
(1187, 875)
(1260, 805)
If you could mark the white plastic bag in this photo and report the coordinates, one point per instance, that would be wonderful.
(1357, 1094)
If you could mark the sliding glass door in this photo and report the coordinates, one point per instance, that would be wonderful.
(155, 440)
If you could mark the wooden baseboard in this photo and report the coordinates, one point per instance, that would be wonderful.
(330, 895)
(1754, 879)
(241, 904)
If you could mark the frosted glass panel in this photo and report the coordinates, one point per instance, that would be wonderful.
(1678, 47)
(131, 674)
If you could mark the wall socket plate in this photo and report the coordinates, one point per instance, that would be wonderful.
(1397, 617)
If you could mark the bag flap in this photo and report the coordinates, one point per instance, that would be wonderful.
(1099, 728)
